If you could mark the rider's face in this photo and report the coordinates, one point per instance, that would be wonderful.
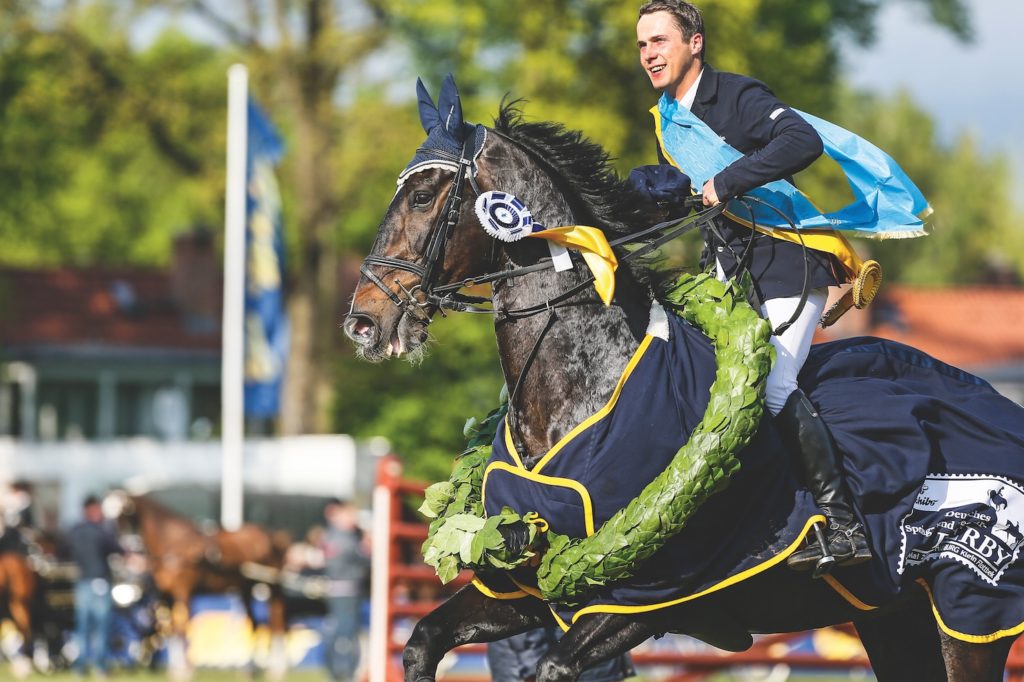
(666, 56)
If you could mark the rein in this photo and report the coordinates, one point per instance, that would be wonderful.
(447, 296)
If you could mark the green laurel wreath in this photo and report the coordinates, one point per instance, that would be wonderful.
(461, 536)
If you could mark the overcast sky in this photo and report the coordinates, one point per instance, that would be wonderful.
(978, 87)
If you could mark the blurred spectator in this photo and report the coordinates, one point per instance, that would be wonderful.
(346, 564)
(515, 658)
(16, 519)
(92, 541)
(17, 505)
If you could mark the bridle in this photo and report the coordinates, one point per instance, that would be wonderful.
(448, 297)
(440, 296)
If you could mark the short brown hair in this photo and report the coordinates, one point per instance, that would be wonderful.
(687, 17)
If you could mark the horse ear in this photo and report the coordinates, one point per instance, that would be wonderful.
(429, 117)
(450, 109)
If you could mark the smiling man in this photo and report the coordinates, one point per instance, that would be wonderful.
(731, 134)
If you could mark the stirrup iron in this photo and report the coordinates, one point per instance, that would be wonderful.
(827, 561)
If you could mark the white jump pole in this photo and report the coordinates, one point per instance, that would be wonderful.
(232, 332)
(380, 593)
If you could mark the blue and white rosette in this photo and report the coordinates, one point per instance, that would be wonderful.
(507, 219)
(503, 216)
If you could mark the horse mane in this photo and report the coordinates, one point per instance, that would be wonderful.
(583, 170)
(581, 163)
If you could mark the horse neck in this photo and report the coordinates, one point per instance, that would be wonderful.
(584, 346)
(152, 517)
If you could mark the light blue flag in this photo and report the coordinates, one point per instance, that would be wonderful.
(266, 324)
(886, 203)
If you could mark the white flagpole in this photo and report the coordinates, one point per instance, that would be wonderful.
(232, 333)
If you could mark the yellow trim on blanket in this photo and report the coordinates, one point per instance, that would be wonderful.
(558, 619)
(589, 421)
(846, 594)
(728, 582)
(829, 241)
(510, 447)
(534, 592)
(488, 592)
(588, 505)
(964, 637)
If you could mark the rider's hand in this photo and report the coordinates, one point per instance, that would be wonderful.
(709, 194)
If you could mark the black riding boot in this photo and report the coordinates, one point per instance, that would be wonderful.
(810, 445)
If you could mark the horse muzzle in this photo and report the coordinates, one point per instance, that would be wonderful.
(372, 341)
(360, 329)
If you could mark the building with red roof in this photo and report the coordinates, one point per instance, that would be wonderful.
(101, 353)
(976, 328)
(111, 377)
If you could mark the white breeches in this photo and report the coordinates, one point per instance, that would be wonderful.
(792, 347)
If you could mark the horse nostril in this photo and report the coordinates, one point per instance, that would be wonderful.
(359, 328)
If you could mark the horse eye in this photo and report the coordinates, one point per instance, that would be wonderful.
(422, 199)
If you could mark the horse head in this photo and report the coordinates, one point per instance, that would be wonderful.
(430, 244)
(425, 239)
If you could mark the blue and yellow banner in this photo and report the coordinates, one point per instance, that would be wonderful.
(266, 324)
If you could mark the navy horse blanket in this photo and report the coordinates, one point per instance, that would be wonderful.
(933, 456)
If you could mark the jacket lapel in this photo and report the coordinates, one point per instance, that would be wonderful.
(707, 92)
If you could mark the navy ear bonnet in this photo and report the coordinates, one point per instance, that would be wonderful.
(447, 133)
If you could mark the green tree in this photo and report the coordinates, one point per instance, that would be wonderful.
(300, 54)
(976, 223)
(422, 409)
(154, 139)
(99, 165)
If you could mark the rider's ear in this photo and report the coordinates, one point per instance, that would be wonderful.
(450, 109)
(429, 117)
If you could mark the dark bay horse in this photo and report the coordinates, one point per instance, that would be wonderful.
(563, 368)
(186, 561)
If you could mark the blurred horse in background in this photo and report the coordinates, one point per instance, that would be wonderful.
(18, 583)
(186, 561)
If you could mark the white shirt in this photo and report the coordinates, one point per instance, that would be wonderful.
(691, 94)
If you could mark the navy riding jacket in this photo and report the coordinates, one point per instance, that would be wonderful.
(776, 143)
